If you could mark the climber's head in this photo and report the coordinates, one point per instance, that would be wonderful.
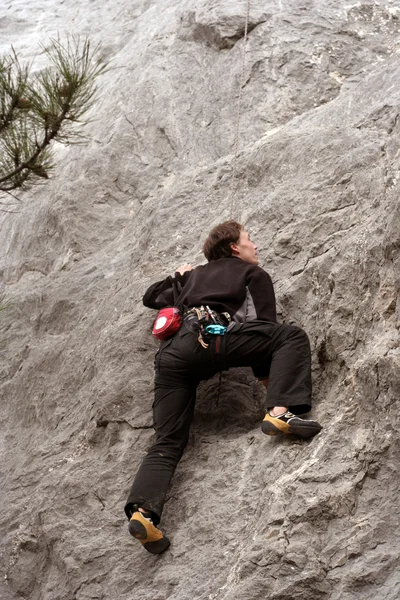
(230, 239)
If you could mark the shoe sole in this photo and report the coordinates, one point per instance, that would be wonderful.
(304, 429)
(138, 531)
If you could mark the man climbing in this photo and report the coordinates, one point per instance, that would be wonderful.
(229, 320)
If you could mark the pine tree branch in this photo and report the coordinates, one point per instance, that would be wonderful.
(13, 84)
(50, 108)
(51, 133)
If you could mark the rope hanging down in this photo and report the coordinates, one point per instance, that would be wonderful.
(236, 140)
(238, 112)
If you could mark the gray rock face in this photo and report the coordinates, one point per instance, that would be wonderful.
(316, 182)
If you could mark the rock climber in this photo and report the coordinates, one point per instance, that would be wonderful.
(228, 320)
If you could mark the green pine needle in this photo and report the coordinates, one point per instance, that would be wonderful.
(37, 110)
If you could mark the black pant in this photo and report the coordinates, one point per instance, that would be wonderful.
(280, 351)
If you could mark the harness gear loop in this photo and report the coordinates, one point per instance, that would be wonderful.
(206, 323)
(238, 112)
(201, 341)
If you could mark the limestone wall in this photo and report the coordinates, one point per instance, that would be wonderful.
(316, 183)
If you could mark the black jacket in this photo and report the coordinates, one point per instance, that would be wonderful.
(230, 285)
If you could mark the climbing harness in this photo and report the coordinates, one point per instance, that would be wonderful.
(206, 323)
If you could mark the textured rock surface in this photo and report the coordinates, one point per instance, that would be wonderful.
(316, 182)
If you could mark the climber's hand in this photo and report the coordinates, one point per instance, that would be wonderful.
(184, 268)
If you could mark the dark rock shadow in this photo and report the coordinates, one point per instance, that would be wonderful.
(231, 401)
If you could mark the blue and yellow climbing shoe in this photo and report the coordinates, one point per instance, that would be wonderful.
(290, 424)
(152, 539)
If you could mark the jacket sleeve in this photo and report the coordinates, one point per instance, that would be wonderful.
(262, 293)
(162, 294)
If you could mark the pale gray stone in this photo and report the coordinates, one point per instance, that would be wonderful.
(316, 183)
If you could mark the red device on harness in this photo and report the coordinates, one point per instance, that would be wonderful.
(167, 323)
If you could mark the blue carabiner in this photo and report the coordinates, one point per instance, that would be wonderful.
(215, 329)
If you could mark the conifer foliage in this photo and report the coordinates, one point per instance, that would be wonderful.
(38, 109)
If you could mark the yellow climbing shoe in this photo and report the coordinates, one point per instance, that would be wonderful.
(148, 534)
(290, 423)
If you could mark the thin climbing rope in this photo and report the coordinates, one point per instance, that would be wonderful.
(238, 112)
(236, 139)
(379, 14)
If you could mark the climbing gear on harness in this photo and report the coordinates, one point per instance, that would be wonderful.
(152, 539)
(167, 323)
(290, 423)
(215, 329)
(206, 322)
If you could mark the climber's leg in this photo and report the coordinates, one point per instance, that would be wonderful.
(285, 350)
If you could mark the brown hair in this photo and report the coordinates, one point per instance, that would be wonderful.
(220, 238)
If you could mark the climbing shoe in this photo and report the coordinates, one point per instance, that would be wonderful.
(148, 534)
(290, 423)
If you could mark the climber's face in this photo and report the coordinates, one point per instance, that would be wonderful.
(245, 249)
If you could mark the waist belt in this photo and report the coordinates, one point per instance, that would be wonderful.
(206, 322)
